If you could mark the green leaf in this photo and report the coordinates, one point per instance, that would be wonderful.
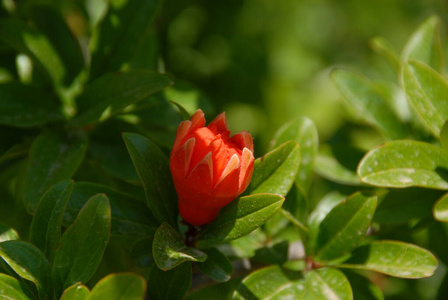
(76, 292)
(393, 258)
(34, 44)
(130, 217)
(222, 291)
(304, 132)
(328, 284)
(141, 252)
(172, 284)
(52, 158)
(271, 283)
(363, 288)
(275, 172)
(405, 163)
(169, 250)
(153, 169)
(328, 164)
(424, 45)
(426, 90)
(345, 227)
(384, 48)
(110, 94)
(217, 266)
(122, 286)
(120, 34)
(366, 101)
(29, 263)
(83, 243)
(27, 106)
(7, 233)
(273, 254)
(441, 209)
(45, 229)
(11, 288)
(241, 217)
(444, 136)
(51, 22)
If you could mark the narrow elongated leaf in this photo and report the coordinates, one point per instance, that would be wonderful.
(113, 92)
(130, 217)
(405, 163)
(45, 229)
(83, 243)
(345, 226)
(172, 284)
(327, 284)
(120, 34)
(275, 172)
(424, 45)
(122, 286)
(169, 250)
(394, 258)
(27, 106)
(50, 21)
(35, 44)
(367, 102)
(52, 158)
(11, 288)
(7, 233)
(76, 292)
(304, 132)
(153, 169)
(216, 266)
(426, 90)
(441, 209)
(29, 263)
(242, 216)
(271, 283)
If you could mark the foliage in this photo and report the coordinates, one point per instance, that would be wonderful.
(348, 205)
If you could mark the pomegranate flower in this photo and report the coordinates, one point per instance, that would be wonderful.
(209, 168)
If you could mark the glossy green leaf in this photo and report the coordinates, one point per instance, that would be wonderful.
(130, 217)
(345, 226)
(367, 102)
(35, 44)
(29, 263)
(441, 209)
(304, 132)
(153, 168)
(328, 166)
(172, 284)
(11, 288)
(217, 266)
(83, 243)
(27, 106)
(424, 45)
(426, 90)
(45, 229)
(110, 94)
(120, 34)
(52, 158)
(242, 216)
(271, 283)
(169, 250)
(76, 292)
(275, 172)
(7, 233)
(405, 163)
(327, 284)
(444, 136)
(394, 258)
(121, 286)
(50, 22)
(384, 48)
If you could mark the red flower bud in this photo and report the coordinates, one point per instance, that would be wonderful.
(209, 167)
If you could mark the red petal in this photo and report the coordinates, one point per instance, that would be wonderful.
(197, 120)
(195, 215)
(232, 164)
(247, 167)
(243, 139)
(219, 125)
(200, 178)
(182, 131)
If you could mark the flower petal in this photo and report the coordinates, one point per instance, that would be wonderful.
(247, 162)
(243, 139)
(201, 176)
(197, 120)
(182, 131)
(219, 125)
(233, 164)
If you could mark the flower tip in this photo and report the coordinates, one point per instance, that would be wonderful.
(219, 124)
